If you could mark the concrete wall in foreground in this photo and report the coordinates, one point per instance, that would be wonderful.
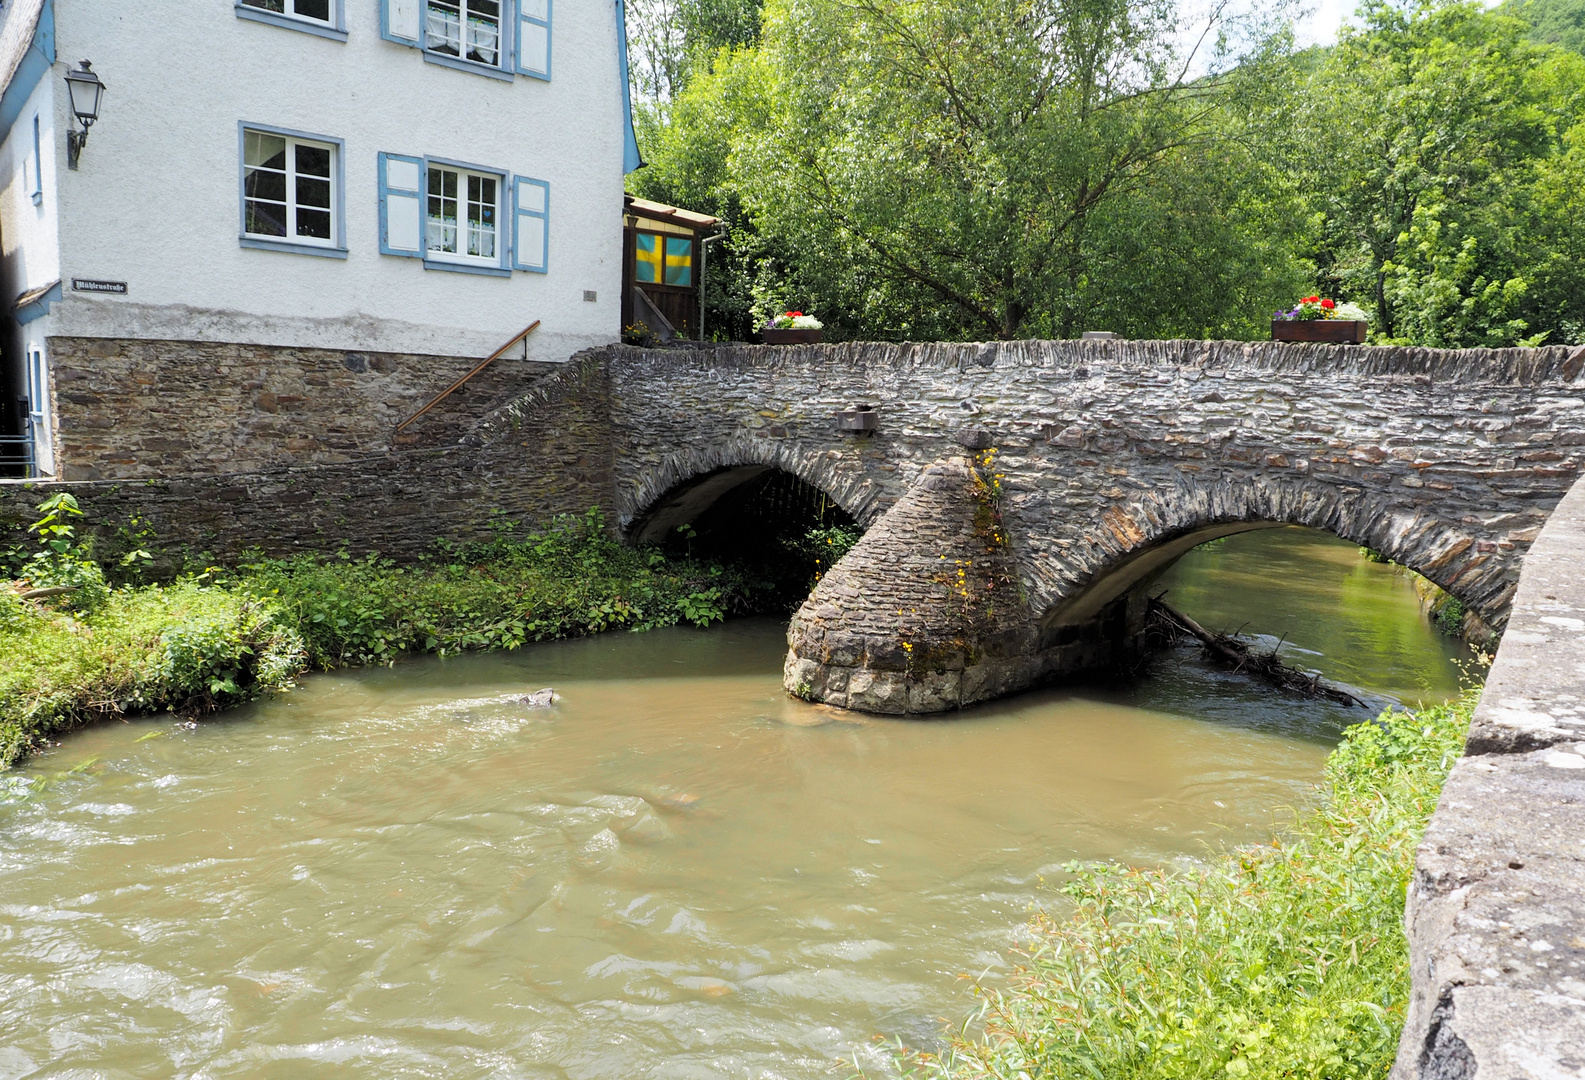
(1496, 908)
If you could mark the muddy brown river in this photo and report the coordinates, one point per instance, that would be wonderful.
(676, 872)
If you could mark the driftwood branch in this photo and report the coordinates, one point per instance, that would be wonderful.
(1236, 654)
(39, 594)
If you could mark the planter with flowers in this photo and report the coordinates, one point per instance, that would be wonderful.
(793, 328)
(1315, 319)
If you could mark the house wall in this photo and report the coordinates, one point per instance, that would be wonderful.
(29, 244)
(206, 326)
(29, 231)
(155, 203)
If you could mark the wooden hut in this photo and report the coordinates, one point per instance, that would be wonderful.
(663, 255)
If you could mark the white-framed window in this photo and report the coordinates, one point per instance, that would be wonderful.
(456, 216)
(463, 215)
(324, 18)
(465, 29)
(498, 38)
(291, 191)
(321, 11)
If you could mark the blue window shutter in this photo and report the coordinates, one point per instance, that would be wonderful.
(531, 230)
(401, 21)
(36, 185)
(631, 159)
(401, 206)
(533, 38)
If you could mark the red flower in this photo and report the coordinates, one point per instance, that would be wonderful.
(797, 314)
(1309, 299)
(1328, 304)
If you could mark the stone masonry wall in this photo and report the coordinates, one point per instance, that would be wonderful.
(397, 503)
(1447, 461)
(951, 627)
(134, 409)
(1496, 908)
(1118, 456)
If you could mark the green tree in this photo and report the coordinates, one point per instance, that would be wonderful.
(1552, 22)
(1419, 150)
(989, 167)
(688, 145)
(669, 39)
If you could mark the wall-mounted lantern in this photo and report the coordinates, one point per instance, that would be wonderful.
(86, 92)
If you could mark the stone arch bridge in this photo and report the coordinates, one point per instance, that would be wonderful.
(1020, 497)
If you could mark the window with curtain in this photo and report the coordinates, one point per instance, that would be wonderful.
(466, 29)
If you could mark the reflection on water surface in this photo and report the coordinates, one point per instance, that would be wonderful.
(677, 872)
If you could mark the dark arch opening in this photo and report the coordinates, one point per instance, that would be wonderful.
(782, 531)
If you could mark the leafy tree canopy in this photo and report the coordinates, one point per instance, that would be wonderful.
(955, 169)
(1552, 22)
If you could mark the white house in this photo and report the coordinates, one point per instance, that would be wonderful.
(293, 220)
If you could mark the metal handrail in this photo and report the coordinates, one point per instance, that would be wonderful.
(486, 362)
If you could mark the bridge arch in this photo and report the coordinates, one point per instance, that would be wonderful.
(1133, 543)
(934, 609)
(680, 486)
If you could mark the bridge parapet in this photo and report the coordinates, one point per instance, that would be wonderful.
(1496, 908)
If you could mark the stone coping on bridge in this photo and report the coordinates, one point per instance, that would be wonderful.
(1496, 906)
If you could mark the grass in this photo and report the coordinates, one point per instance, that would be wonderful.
(216, 638)
(571, 580)
(1280, 960)
(192, 646)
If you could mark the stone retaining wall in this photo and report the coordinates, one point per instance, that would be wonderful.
(134, 409)
(1496, 909)
(557, 461)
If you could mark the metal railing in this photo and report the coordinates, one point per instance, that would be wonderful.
(17, 460)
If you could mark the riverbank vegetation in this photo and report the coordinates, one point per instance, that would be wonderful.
(1280, 960)
(82, 640)
(973, 169)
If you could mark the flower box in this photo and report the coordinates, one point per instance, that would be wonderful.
(1345, 331)
(775, 336)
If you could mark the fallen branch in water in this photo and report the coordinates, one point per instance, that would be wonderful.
(1236, 654)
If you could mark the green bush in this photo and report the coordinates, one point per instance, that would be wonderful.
(570, 580)
(61, 563)
(190, 646)
(1279, 960)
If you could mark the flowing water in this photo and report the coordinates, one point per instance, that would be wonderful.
(677, 871)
